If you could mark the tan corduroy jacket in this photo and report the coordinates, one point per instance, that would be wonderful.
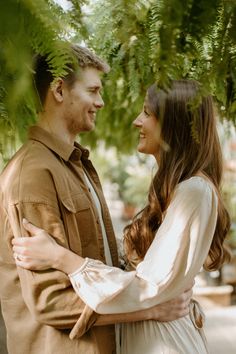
(44, 182)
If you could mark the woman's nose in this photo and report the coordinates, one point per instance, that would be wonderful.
(138, 121)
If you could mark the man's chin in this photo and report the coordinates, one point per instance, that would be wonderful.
(93, 124)
(91, 127)
(87, 129)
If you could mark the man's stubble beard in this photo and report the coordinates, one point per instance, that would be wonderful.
(74, 127)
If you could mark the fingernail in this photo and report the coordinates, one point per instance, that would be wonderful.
(25, 221)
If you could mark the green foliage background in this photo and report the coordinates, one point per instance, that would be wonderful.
(143, 41)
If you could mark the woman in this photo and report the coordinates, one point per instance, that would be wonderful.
(182, 228)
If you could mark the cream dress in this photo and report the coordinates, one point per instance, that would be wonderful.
(175, 256)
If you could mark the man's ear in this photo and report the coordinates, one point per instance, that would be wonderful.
(57, 87)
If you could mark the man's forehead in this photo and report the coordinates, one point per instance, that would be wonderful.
(90, 76)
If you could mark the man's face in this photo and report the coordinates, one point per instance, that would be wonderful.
(82, 101)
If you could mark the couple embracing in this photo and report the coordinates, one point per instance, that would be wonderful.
(62, 290)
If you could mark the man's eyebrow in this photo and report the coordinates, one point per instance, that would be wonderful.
(95, 86)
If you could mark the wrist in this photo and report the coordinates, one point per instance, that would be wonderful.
(67, 261)
(142, 315)
(59, 256)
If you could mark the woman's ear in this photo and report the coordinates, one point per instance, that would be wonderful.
(57, 89)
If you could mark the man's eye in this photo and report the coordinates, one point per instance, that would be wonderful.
(146, 113)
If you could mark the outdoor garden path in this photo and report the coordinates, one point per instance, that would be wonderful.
(220, 330)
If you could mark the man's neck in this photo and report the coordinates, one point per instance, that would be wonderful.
(56, 127)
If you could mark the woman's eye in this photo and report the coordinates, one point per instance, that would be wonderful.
(145, 112)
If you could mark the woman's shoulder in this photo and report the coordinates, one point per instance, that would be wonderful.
(197, 187)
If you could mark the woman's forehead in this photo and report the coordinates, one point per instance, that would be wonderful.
(146, 102)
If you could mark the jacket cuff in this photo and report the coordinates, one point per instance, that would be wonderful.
(86, 320)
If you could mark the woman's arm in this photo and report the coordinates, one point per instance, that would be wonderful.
(175, 256)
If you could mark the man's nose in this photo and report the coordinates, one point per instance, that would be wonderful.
(99, 103)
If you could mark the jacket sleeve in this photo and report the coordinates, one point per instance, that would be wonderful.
(48, 294)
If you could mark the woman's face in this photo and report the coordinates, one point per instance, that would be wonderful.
(150, 130)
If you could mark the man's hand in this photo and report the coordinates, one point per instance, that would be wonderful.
(173, 309)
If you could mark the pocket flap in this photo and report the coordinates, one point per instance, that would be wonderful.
(75, 203)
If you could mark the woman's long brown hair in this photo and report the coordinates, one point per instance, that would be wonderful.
(188, 127)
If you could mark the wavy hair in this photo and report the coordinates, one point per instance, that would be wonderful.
(188, 128)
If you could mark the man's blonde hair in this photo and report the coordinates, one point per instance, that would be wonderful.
(83, 58)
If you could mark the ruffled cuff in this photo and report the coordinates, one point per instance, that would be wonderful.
(97, 283)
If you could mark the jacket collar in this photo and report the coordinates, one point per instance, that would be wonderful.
(65, 151)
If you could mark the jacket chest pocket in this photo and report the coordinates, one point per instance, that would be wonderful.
(80, 224)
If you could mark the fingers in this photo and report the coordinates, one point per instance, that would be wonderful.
(187, 295)
(22, 245)
(23, 262)
(184, 312)
(19, 250)
(32, 229)
(19, 241)
(20, 253)
(27, 246)
(190, 286)
(19, 256)
(20, 260)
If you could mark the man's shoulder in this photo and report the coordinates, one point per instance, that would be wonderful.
(29, 174)
(31, 156)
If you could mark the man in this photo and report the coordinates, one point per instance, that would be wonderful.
(51, 182)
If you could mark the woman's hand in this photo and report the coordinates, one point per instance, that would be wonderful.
(172, 309)
(38, 252)
(41, 252)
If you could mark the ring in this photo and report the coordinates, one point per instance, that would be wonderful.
(17, 257)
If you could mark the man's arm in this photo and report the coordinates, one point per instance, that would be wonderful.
(168, 311)
(165, 312)
(48, 294)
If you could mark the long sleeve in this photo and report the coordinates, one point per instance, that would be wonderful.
(175, 256)
(48, 294)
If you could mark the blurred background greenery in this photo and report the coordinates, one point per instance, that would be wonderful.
(143, 41)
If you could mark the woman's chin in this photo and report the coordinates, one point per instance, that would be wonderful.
(141, 149)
